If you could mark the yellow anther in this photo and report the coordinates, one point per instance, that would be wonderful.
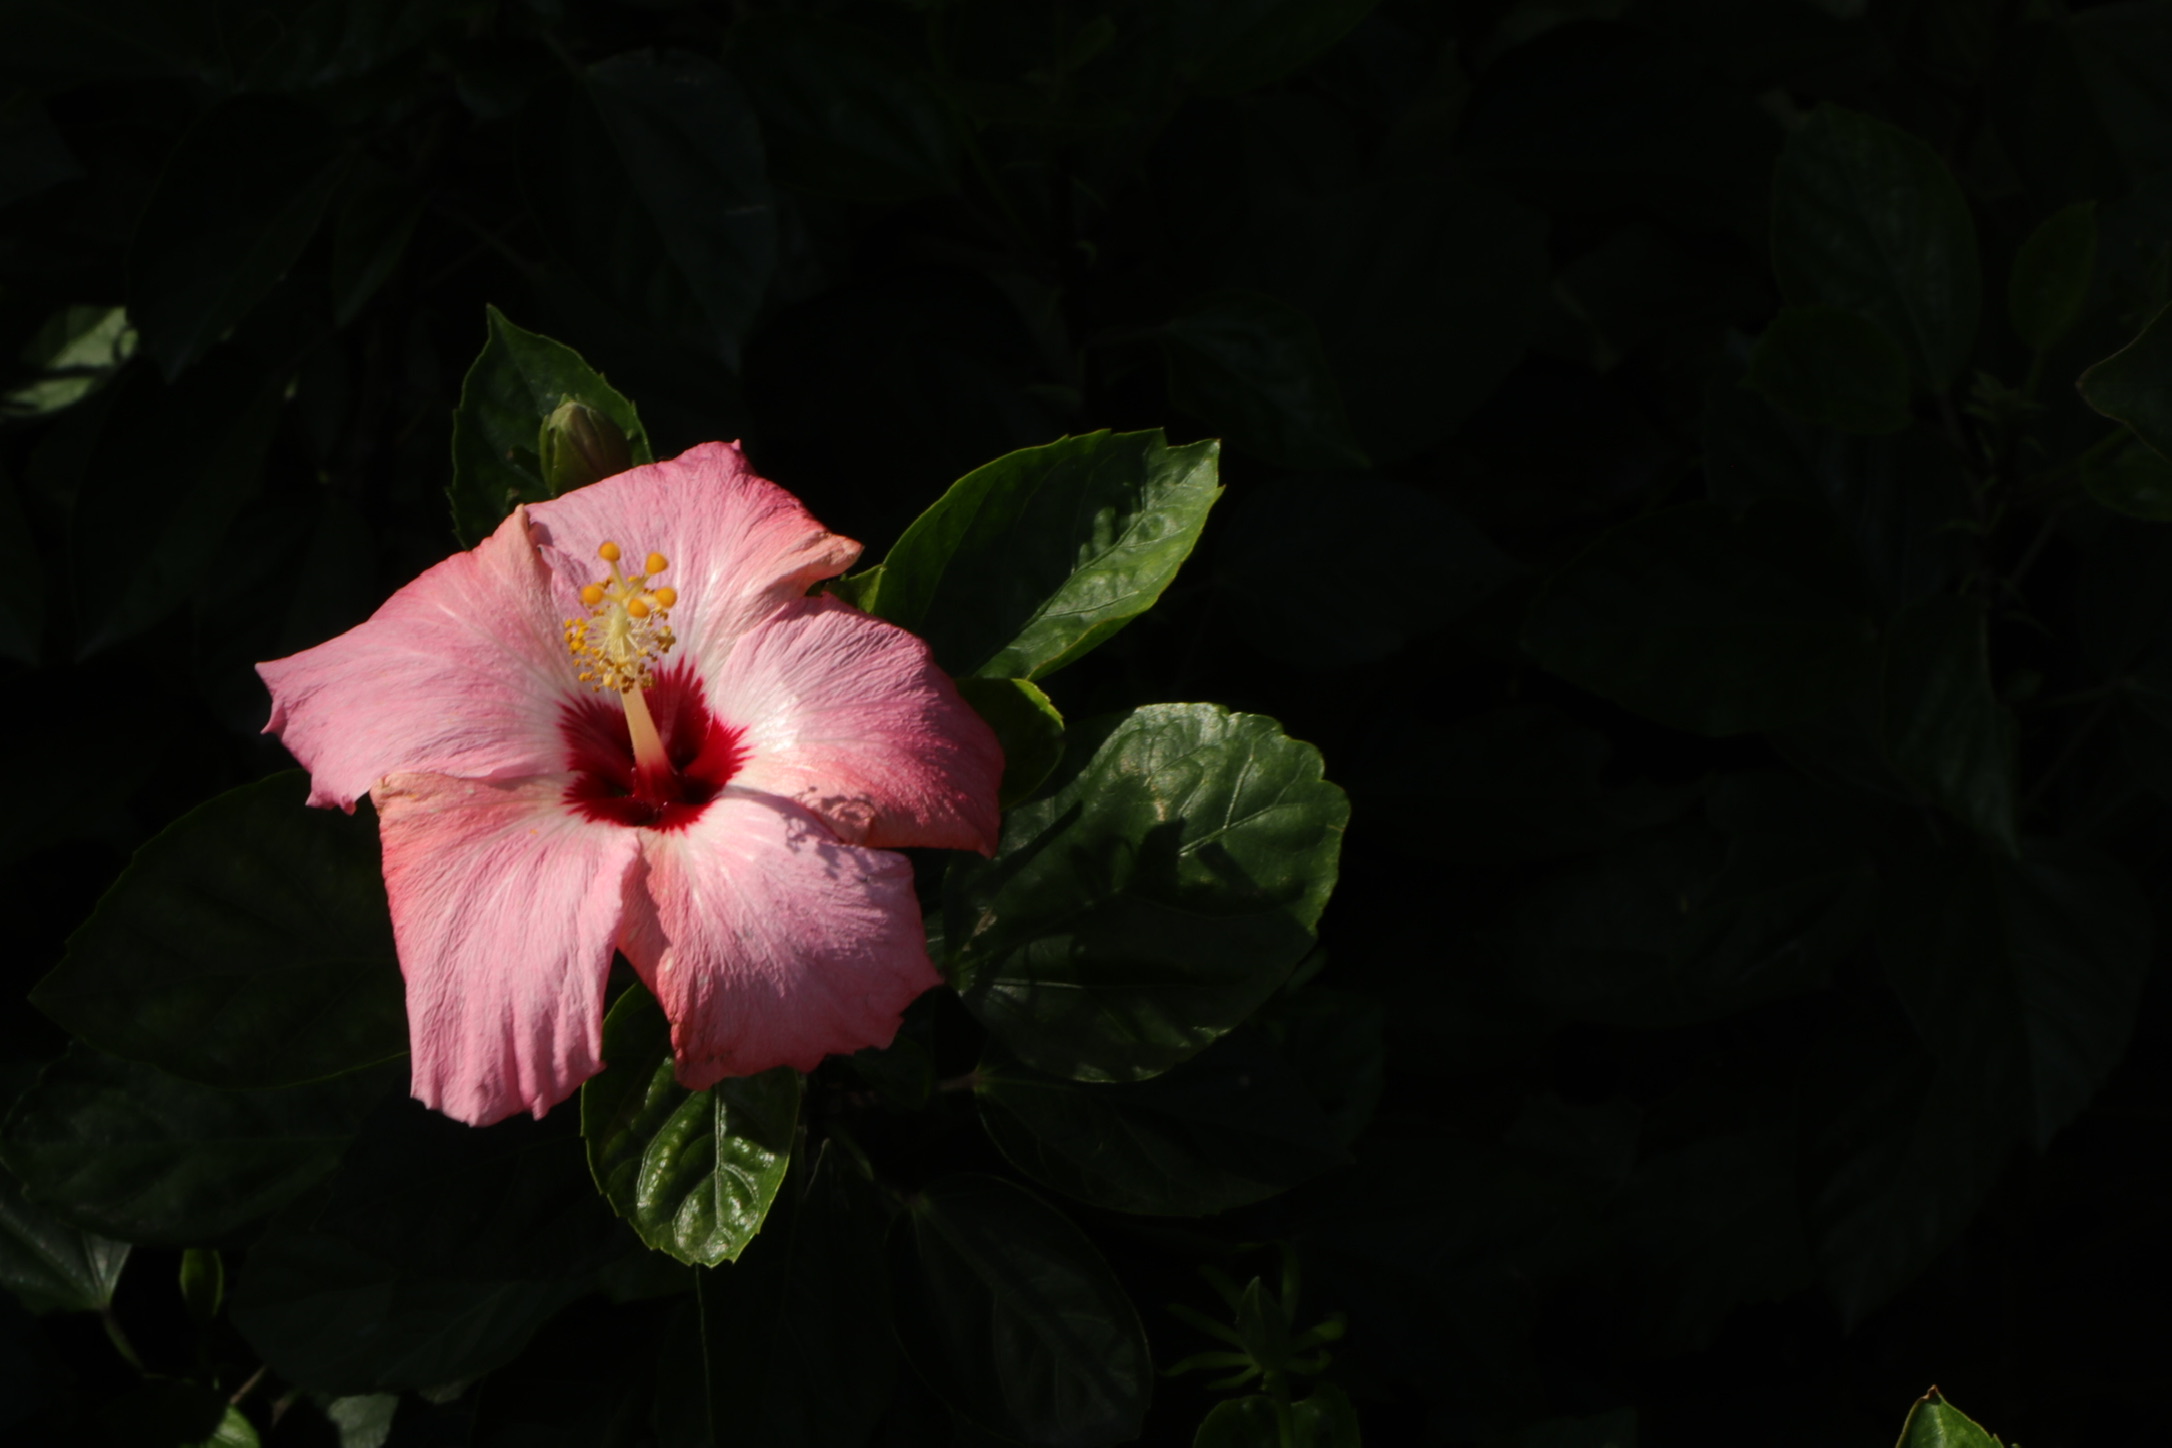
(637, 607)
(592, 594)
(656, 564)
(608, 553)
(665, 597)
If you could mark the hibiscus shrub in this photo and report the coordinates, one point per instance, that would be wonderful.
(1696, 475)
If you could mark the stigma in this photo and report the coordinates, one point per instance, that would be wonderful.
(627, 626)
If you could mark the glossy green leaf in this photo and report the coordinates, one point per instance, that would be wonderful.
(797, 1332)
(1011, 1315)
(1033, 560)
(1028, 727)
(519, 379)
(1291, 547)
(2051, 276)
(1263, 40)
(1941, 722)
(845, 113)
(1252, 369)
(2134, 384)
(2135, 480)
(1709, 623)
(694, 1172)
(1233, 1125)
(438, 1250)
(1935, 1423)
(247, 945)
(1159, 888)
(1425, 291)
(1832, 367)
(127, 1150)
(1866, 218)
(239, 199)
(203, 1283)
(49, 1265)
(650, 178)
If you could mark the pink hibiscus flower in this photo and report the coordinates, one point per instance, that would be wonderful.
(570, 756)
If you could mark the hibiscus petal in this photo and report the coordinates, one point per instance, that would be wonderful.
(737, 545)
(461, 672)
(505, 907)
(772, 943)
(849, 716)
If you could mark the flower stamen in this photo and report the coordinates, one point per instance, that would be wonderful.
(627, 627)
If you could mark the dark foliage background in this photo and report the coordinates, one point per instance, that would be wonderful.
(1656, 482)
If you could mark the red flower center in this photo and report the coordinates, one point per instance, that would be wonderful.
(703, 753)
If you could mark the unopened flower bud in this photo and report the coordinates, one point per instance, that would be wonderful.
(578, 445)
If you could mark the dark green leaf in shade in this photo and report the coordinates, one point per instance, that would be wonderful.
(238, 201)
(1033, 560)
(2134, 384)
(1028, 727)
(2051, 276)
(1010, 1314)
(1232, 1126)
(1258, 41)
(171, 1411)
(49, 1265)
(1832, 367)
(845, 113)
(694, 1172)
(1241, 1423)
(33, 157)
(517, 382)
(2120, 51)
(1935, 1423)
(2135, 480)
(797, 1332)
(1708, 623)
(1617, 1429)
(203, 1283)
(22, 608)
(247, 945)
(1160, 887)
(2019, 980)
(1291, 548)
(1252, 368)
(437, 1251)
(169, 470)
(1942, 724)
(1866, 218)
(125, 1149)
(371, 226)
(648, 175)
(1425, 292)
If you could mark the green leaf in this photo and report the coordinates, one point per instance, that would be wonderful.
(33, 157)
(1866, 218)
(438, 1251)
(1028, 727)
(2135, 480)
(236, 205)
(1832, 367)
(1233, 1125)
(1033, 560)
(1151, 897)
(49, 1265)
(1935, 1423)
(1708, 623)
(1252, 368)
(1941, 722)
(1426, 293)
(694, 1172)
(797, 1332)
(519, 379)
(1013, 1318)
(2134, 384)
(370, 232)
(844, 112)
(127, 1150)
(649, 176)
(1287, 557)
(1241, 1423)
(2051, 276)
(247, 945)
(1263, 40)
(1324, 1420)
